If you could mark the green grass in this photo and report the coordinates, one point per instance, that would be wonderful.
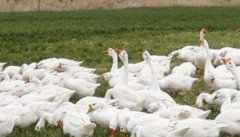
(82, 35)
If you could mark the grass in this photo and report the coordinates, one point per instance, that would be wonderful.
(82, 35)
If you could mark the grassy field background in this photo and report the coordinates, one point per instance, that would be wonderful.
(82, 35)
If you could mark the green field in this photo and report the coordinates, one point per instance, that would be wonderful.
(82, 35)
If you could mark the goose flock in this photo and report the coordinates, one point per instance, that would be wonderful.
(138, 102)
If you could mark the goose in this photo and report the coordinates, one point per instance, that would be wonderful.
(162, 67)
(7, 85)
(83, 103)
(204, 98)
(145, 120)
(90, 77)
(231, 66)
(25, 116)
(6, 124)
(61, 67)
(186, 54)
(229, 52)
(53, 118)
(25, 67)
(200, 127)
(48, 64)
(227, 104)
(38, 73)
(31, 84)
(178, 84)
(155, 93)
(158, 128)
(81, 86)
(231, 118)
(12, 70)
(186, 69)
(111, 52)
(52, 79)
(104, 115)
(178, 112)
(77, 124)
(122, 90)
(211, 99)
(213, 78)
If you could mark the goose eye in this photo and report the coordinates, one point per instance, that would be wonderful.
(94, 104)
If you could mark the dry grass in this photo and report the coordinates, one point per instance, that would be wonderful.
(33, 5)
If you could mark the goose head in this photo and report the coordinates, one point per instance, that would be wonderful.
(122, 55)
(110, 52)
(153, 107)
(203, 32)
(220, 97)
(145, 55)
(106, 76)
(228, 63)
(94, 106)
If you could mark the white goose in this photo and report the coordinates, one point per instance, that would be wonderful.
(6, 124)
(231, 118)
(212, 77)
(186, 69)
(211, 99)
(178, 112)
(200, 127)
(178, 84)
(81, 86)
(77, 124)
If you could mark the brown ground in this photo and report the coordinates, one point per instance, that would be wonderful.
(33, 5)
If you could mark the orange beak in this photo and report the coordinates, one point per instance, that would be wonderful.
(60, 124)
(27, 80)
(111, 132)
(105, 52)
(119, 51)
(90, 109)
(225, 61)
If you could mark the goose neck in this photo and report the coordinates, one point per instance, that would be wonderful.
(125, 73)
(115, 63)
(235, 74)
(154, 84)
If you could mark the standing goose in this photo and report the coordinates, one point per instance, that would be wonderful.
(212, 77)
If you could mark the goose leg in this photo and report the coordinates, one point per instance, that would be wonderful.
(111, 132)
